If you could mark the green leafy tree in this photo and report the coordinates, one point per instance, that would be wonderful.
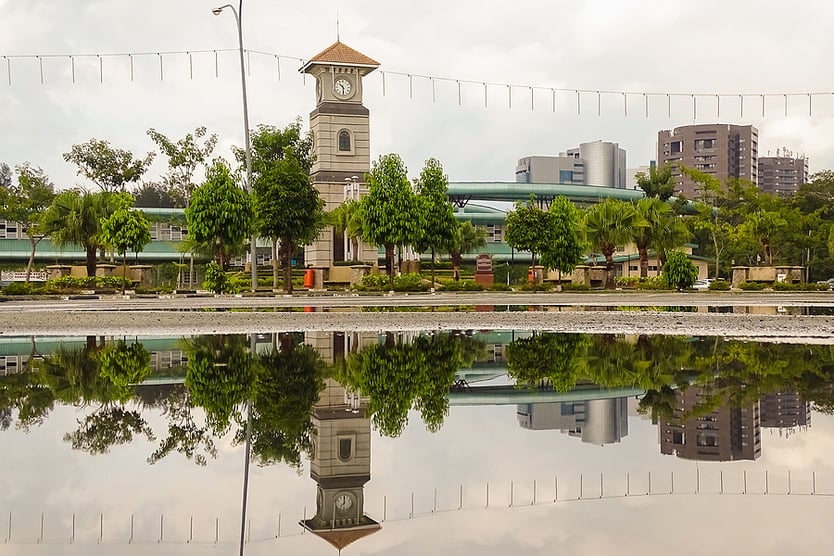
(74, 218)
(469, 239)
(184, 157)
(288, 208)
(156, 195)
(111, 169)
(529, 228)
(565, 247)
(608, 225)
(220, 215)
(389, 212)
(25, 203)
(763, 226)
(126, 229)
(441, 229)
(658, 183)
(679, 272)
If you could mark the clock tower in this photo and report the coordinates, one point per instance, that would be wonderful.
(340, 127)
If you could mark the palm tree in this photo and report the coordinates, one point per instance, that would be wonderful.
(471, 237)
(74, 219)
(607, 225)
(346, 221)
(663, 231)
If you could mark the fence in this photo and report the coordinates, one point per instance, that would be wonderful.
(101, 528)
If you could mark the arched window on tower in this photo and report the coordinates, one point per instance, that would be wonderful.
(344, 141)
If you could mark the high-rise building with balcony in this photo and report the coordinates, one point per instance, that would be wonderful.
(719, 150)
(782, 174)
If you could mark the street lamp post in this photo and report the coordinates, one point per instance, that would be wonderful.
(238, 13)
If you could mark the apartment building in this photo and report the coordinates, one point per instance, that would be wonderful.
(719, 150)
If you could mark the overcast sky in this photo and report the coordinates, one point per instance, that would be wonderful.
(708, 48)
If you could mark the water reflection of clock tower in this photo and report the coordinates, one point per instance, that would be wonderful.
(340, 125)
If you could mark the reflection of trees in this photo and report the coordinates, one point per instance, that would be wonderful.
(184, 434)
(556, 358)
(287, 385)
(109, 426)
(397, 376)
(124, 364)
(221, 370)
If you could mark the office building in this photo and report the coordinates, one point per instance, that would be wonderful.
(785, 410)
(598, 163)
(719, 150)
(780, 175)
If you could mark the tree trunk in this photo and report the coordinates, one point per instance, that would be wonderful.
(609, 271)
(286, 254)
(389, 263)
(766, 249)
(91, 260)
(275, 262)
(644, 261)
(124, 273)
(456, 260)
(432, 269)
(31, 262)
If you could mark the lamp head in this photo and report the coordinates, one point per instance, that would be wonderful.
(217, 11)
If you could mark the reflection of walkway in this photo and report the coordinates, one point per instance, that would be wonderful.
(512, 395)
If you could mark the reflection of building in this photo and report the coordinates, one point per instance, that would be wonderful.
(722, 434)
(341, 463)
(597, 163)
(595, 421)
(784, 410)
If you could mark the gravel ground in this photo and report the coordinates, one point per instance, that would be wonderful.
(775, 317)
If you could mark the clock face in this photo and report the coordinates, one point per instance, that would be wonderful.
(342, 87)
(344, 502)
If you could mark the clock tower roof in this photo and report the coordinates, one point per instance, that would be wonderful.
(340, 54)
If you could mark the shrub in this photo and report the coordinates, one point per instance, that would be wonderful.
(752, 286)
(74, 283)
(679, 272)
(626, 281)
(18, 288)
(216, 280)
(719, 285)
(410, 282)
(374, 282)
(462, 286)
(500, 287)
(570, 286)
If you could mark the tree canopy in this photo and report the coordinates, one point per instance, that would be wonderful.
(111, 169)
(220, 216)
(389, 212)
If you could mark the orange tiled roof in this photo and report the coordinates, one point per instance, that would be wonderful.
(341, 53)
(342, 538)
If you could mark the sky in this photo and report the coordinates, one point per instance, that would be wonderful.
(715, 50)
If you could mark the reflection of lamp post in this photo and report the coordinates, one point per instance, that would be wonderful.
(238, 13)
